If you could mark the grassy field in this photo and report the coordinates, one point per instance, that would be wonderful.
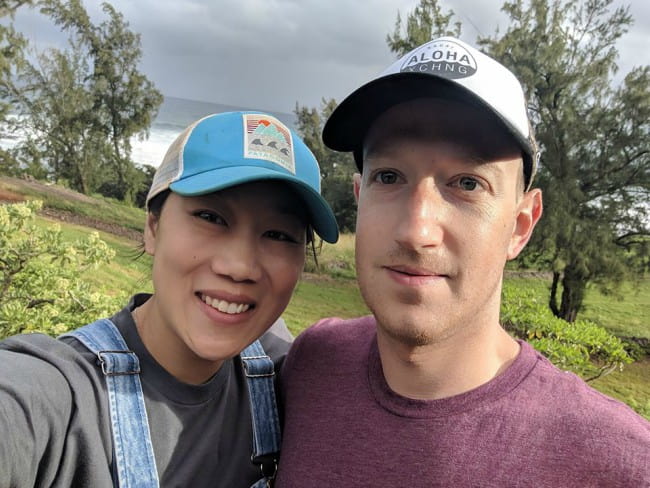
(330, 289)
(316, 298)
(624, 314)
(66, 202)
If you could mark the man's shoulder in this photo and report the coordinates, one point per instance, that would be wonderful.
(333, 343)
(579, 406)
(336, 331)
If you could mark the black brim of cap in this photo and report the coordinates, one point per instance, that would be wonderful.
(348, 125)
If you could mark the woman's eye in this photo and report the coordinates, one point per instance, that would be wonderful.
(277, 235)
(209, 216)
(467, 183)
(386, 177)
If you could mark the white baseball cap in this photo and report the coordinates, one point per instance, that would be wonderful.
(444, 68)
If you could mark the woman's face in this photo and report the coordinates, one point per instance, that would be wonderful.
(224, 268)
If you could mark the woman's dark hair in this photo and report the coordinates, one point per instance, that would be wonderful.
(155, 205)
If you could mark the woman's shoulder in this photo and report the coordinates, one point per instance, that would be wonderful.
(39, 354)
(277, 340)
(35, 380)
(38, 347)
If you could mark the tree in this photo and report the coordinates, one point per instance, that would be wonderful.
(59, 115)
(12, 45)
(111, 101)
(8, 7)
(41, 285)
(427, 21)
(125, 99)
(595, 140)
(593, 135)
(336, 168)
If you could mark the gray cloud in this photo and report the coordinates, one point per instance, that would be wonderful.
(272, 54)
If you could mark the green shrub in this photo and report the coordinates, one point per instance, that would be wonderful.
(582, 346)
(41, 289)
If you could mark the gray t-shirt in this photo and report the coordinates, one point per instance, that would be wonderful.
(54, 420)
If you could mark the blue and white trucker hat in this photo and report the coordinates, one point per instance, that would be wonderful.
(228, 149)
(444, 68)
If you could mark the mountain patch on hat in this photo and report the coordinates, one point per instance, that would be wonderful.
(228, 149)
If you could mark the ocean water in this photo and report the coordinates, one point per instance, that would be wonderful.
(173, 116)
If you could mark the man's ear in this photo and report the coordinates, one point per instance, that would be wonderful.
(150, 230)
(529, 212)
(356, 178)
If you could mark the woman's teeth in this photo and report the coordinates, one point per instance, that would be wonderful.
(224, 306)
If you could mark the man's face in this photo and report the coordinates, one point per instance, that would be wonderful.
(440, 210)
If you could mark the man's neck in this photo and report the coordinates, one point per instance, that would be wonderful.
(453, 366)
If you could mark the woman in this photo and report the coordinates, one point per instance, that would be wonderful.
(230, 215)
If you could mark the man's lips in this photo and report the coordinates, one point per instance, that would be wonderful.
(413, 276)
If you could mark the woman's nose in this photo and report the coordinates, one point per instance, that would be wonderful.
(237, 259)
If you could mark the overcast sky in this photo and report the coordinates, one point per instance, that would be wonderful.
(271, 54)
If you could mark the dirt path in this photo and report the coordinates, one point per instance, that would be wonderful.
(73, 218)
(8, 195)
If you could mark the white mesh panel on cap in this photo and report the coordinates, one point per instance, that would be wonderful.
(171, 168)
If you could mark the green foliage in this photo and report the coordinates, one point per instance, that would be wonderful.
(8, 7)
(58, 110)
(41, 289)
(336, 168)
(82, 106)
(12, 46)
(595, 170)
(581, 346)
(427, 21)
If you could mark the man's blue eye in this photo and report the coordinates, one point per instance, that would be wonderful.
(467, 183)
(387, 177)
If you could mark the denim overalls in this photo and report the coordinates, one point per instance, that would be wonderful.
(134, 464)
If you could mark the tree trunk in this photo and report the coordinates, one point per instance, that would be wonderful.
(552, 302)
(573, 292)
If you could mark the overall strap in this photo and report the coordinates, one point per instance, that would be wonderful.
(259, 371)
(134, 459)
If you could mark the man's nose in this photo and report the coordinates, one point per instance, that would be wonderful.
(424, 211)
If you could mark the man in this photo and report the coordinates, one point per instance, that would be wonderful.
(430, 390)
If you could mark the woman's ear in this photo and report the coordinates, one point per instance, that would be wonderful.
(150, 230)
(528, 214)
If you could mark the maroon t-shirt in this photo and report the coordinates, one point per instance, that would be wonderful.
(533, 425)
